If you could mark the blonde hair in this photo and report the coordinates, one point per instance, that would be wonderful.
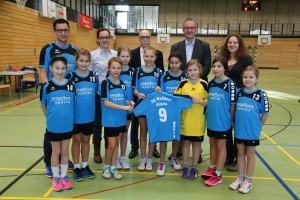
(194, 62)
(83, 52)
(114, 59)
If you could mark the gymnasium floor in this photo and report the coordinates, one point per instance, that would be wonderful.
(276, 176)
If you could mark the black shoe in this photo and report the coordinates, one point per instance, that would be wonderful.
(200, 159)
(228, 162)
(178, 155)
(155, 153)
(232, 168)
(133, 153)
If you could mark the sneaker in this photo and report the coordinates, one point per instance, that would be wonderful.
(77, 174)
(124, 164)
(178, 155)
(87, 172)
(149, 166)
(106, 173)
(200, 160)
(208, 173)
(185, 172)
(70, 165)
(213, 180)
(57, 184)
(175, 163)
(133, 153)
(66, 183)
(232, 168)
(236, 184)
(142, 165)
(156, 153)
(116, 174)
(246, 186)
(161, 169)
(118, 164)
(48, 171)
(193, 173)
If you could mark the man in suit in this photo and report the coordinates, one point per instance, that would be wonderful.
(192, 48)
(135, 62)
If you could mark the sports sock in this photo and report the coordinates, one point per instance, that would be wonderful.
(64, 170)
(84, 164)
(218, 173)
(55, 171)
(77, 166)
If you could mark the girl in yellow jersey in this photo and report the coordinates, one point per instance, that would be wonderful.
(193, 123)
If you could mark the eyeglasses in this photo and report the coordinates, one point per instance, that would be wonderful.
(145, 37)
(104, 38)
(189, 28)
(62, 30)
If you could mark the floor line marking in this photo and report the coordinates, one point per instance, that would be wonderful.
(284, 185)
(12, 109)
(282, 149)
(20, 176)
(118, 187)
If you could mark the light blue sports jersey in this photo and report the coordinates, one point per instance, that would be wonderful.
(146, 81)
(163, 112)
(220, 98)
(249, 108)
(169, 82)
(126, 77)
(51, 50)
(86, 90)
(59, 100)
(115, 93)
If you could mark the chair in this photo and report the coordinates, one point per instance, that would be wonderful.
(29, 78)
(3, 86)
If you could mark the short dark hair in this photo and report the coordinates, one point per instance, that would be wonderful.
(175, 55)
(60, 21)
(102, 29)
(58, 58)
(223, 61)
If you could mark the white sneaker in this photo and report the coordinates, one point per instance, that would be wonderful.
(149, 166)
(115, 174)
(106, 173)
(124, 164)
(118, 164)
(175, 163)
(161, 169)
(246, 186)
(142, 164)
(236, 184)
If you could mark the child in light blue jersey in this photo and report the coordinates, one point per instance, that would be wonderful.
(124, 54)
(168, 83)
(114, 106)
(145, 81)
(252, 109)
(219, 116)
(86, 83)
(57, 102)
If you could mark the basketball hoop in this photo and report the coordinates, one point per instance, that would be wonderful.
(265, 44)
(21, 4)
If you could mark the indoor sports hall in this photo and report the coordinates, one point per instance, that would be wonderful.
(271, 31)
